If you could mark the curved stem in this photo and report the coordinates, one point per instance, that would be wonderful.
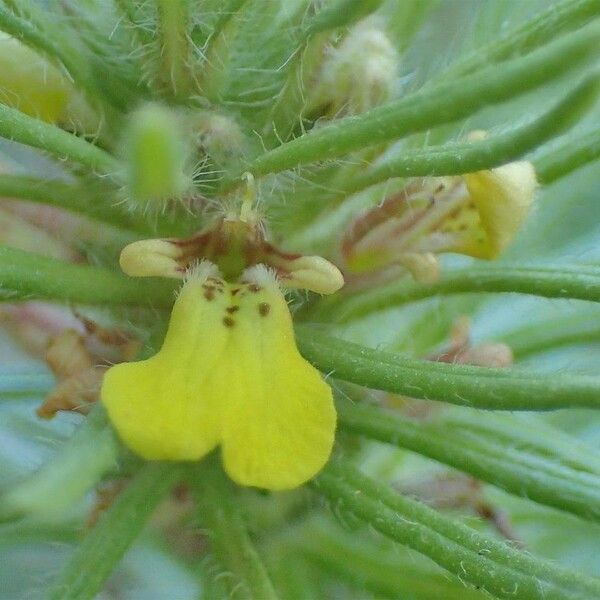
(445, 103)
(455, 159)
(104, 546)
(489, 564)
(26, 276)
(231, 545)
(479, 387)
(524, 472)
(576, 151)
(68, 196)
(19, 127)
(576, 281)
(546, 25)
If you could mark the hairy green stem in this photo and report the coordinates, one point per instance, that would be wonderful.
(22, 128)
(103, 547)
(219, 513)
(174, 55)
(446, 103)
(480, 387)
(573, 281)
(68, 196)
(27, 276)
(521, 472)
(366, 565)
(455, 159)
(494, 566)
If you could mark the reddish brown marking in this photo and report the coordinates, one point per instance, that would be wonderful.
(253, 287)
(209, 294)
(228, 322)
(234, 291)
(232, 309)
(263, 309)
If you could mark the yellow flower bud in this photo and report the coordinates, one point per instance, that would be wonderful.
(360, 73)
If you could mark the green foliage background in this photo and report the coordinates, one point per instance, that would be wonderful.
(339, 558)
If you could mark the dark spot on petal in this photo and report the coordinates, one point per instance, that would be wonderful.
(264, 309)
(234, 291)
(232, 309)
(228, 322)
(209, 294)
(253, 287)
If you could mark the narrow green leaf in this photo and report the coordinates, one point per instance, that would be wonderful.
(546, 25)
(382, 571)
(577, 150)
(480, 387)
(446, 103)
(486, 564)
(68, 196)
(104, 546)
(25, 276)
(340, 13)
(74, 470)
(219, 513)
(174, 47)
(501, 461)
(549, 334)
(19, 127)
(572, 281)
(455, 159)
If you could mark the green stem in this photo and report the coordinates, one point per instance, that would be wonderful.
(558, 18)
(219, 513)
(22, 128)
(572, 281)
(446, 103)
(522, 472)
(529, 433)
(547, 335)
(479, 387)
(74, 470)
(104, 546)
(27, 276)
(175, 48)
(381, 571)
(72, 197)
(485, 563)
(455, 159)
(574, 152)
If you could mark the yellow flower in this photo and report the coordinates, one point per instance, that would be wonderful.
(228, 374)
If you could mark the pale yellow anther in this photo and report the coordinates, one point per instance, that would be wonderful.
(152, 258)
